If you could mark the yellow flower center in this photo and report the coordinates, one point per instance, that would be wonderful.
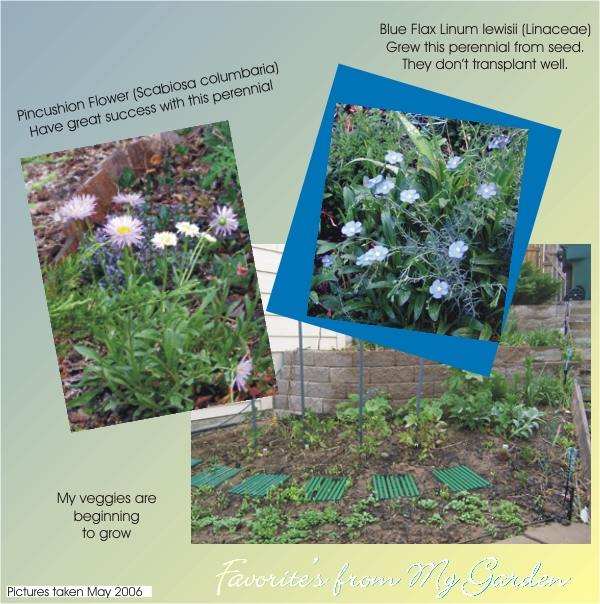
(124, 230)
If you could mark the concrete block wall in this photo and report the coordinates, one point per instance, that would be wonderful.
(551, 316)
(331, 376)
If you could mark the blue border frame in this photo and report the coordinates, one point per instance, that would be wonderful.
(292, 284)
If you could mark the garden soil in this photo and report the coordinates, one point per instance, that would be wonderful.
(535, 485)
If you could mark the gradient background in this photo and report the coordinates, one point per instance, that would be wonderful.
(56, 52)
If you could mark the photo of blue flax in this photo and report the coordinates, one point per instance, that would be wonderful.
(417, 222)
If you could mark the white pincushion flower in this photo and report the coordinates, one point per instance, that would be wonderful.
(161, 240)
(187, 229)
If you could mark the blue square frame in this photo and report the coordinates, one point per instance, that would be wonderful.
(292, 284)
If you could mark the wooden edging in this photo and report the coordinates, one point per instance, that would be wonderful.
(582, 431)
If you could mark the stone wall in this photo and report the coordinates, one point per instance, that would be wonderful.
(331, 376)
(551, 316)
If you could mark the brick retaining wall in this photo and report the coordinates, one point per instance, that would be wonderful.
(330, 376)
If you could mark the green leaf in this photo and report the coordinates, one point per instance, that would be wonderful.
(403, 296)
(434, 311)
(84, 399)
(486, 332)
(388, 227)
(322, 278)
(314, 297)
(419, 302)
(325, 246)
(88, 353)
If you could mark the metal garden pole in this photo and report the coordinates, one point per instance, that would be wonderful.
(419, 389)
(360, 391)
(254, 428)
(301, 383)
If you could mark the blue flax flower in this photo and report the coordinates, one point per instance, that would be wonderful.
(486, 191)
(376, 254)
(410, 196)
(383, 188)
(393, 157)
(454, 162)
(438, 289)
(457, 249)
(352, 228)
(499, 142)
(327, 260)
(374, 181)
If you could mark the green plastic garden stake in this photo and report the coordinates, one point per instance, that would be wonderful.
(301, 383)
(419, 389)
(254, 424)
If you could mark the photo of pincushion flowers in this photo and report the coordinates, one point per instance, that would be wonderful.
(149, 276)
(417, 222)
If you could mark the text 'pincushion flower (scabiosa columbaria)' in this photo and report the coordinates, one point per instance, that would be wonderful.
(457, 249)
(438, 289)
(164, 239)
(244, 369)
(410, 196)
(384, 187)
(79, 207)
(352, 228)
(327, 260)
(454, 162)
(224, 220)
(124, 231)
(393, 157)
(486, 191)
(374, 181)
(133, 199)
(187, 229)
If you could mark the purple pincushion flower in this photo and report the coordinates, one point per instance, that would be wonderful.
(124, 230)
(244, 370)
(133, 199)
(79, 207)
(224, 220)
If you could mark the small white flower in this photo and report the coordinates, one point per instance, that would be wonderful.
(208, 237)
(187, 229)
(161, 240)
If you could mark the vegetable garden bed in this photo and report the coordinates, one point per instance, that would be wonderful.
(526, 475)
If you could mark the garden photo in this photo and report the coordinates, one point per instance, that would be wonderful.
(366, 444)
(417, 222)
(149, 276)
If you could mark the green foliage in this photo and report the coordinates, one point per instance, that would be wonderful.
(469, 508)
(468, 398)
(376, 411)
(156, 354)
(427, 504)
(425, 430)
(435, 520)
(221, 158)
(508, 513)
(535, 286)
